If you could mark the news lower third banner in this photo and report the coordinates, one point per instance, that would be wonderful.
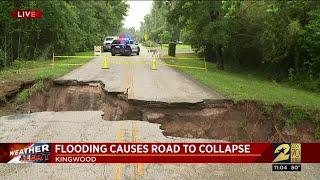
(159, 153)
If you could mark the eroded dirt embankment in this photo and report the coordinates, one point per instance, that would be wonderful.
(226, 120)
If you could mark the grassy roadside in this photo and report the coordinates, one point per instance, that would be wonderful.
(178, 47)
(299, 105)
(12, 77)
(239, 86)
(164, 47)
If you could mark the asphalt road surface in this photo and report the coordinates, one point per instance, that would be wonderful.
(136, 77)
(87, 126)
(141, 83)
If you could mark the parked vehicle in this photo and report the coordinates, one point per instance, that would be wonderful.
(124, 47)
(107, 43)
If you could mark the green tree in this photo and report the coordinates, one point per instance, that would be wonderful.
(66, 27)
(278, 38)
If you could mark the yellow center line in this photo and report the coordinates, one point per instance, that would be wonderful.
(132, 81)
(138, 168)
(120, 138)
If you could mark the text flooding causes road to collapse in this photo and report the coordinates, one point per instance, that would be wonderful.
(152, 148)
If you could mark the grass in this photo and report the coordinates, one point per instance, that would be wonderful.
(22, 71)
(28, 70)
(179, 47)
(298, 103)
(239, 86)
(317, 133)
(24, 95)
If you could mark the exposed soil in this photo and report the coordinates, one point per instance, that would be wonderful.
(9, 90)
(226, 120)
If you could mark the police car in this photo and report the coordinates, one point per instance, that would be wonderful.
(124, 45)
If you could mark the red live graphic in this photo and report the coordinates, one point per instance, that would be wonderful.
(26, 14)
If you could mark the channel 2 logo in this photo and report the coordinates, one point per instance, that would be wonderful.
(285, 157)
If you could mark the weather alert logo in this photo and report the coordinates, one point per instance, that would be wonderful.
(24, 153)
(285, 155)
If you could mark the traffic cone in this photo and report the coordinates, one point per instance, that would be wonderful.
(106, 64)
(154, 64)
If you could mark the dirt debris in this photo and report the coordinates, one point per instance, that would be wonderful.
(226, 120)
(10, 90)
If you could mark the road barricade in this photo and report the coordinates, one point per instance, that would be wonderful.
(54, 58)
(164, 63)
(155, 62)
(97, 50)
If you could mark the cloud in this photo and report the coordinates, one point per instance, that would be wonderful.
(136, 13)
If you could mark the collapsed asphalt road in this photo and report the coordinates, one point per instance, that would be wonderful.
(88, 126)
(207, 119)
(164, 84)
(90, 101)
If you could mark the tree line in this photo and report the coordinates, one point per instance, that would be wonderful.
(280, 39)
(66, 27)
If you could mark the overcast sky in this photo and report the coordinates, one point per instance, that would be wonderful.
(137, 10)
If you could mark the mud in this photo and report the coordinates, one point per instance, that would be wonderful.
(226, 120)
(10, 90)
